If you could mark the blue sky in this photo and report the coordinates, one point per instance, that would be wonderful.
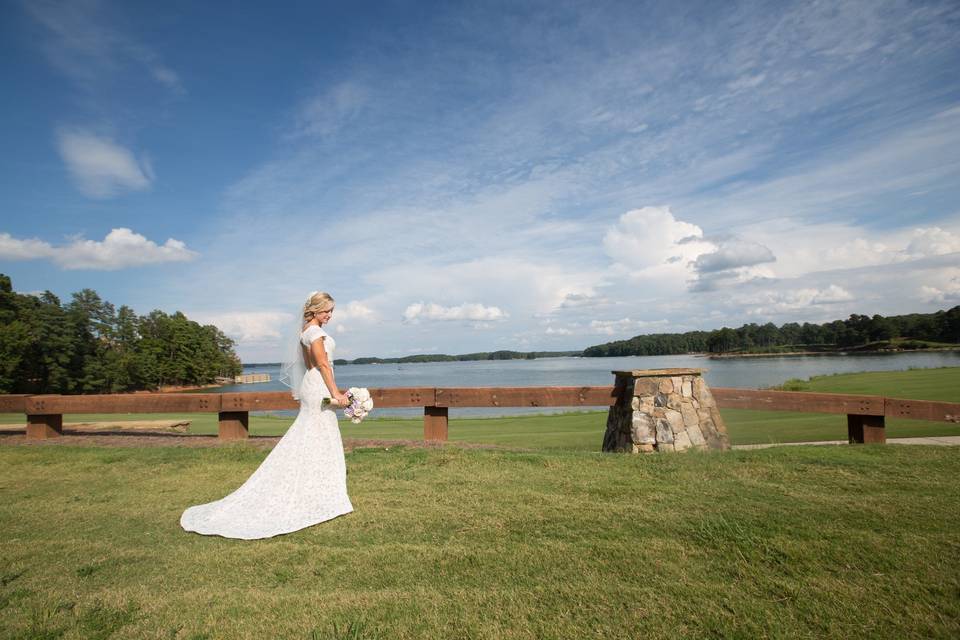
(480, 176)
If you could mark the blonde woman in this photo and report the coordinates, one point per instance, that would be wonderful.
(303, 481)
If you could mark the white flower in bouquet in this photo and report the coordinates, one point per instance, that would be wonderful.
(361, 403)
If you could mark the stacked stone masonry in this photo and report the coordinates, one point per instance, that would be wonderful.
(663, 410)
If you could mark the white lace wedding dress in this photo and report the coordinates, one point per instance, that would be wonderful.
(301, 483)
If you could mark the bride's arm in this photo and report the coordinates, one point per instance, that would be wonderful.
(326, 371)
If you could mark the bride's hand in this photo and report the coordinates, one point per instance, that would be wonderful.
(341, 399)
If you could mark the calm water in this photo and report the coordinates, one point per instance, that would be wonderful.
(751, 373)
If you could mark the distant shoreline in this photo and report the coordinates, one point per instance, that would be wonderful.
(845, 352)
(443, 357)
(574, 354)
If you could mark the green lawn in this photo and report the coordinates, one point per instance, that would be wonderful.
(917, 384)
(584, 431)
(797, 542)
(943, 384)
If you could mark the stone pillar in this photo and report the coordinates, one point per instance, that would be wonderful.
(663, 410)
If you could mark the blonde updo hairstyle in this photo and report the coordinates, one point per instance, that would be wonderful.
(318, 302)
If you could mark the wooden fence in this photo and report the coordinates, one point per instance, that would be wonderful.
(865, 414)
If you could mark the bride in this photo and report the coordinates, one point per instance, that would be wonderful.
(303, 481)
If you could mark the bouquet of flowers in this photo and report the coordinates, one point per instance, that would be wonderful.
(360, 404)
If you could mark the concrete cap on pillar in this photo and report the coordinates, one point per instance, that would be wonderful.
(646, 373)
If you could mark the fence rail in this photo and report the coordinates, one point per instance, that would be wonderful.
(865, 414)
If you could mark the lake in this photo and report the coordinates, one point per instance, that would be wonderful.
(750, 373)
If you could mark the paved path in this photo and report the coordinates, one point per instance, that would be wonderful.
(943, 441)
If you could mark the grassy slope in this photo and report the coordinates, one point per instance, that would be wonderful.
(584, 431)
(795, 542)
(918, 384)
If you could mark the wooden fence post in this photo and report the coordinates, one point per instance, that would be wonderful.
(866, 429)
(41, 426)
(234, 425)
(435, 423)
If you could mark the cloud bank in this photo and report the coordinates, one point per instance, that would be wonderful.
(120, 249)
(420, 311)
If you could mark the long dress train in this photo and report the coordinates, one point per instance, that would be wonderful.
(302, 482)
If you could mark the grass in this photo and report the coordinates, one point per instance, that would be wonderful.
(583, 431)
(941, 383)
(856, 542)
(798, 542)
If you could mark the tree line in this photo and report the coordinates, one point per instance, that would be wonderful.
(89, 346)
(857, 331)
(482, 355)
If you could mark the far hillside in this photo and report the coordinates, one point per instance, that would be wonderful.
(483, 355)
(940, 330)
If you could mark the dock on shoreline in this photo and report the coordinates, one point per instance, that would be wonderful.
(246, 378)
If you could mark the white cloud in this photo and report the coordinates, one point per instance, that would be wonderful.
(160, 72)
(82, 44)
(121, 248)
(168, 77)
(802, 248)
(101, 168)
(354, 311)
(558, 331)
(326, 113)
(732, 261)
(942, 288)
(467, 311)
(348, 316)
(582, 300)
(247, 327)
(731, 277)
(947, 295)
(530, 284)
(663, 252)
(831, 294)
(933, 241)
(746, 82)
(859, 252)
(733, 253)
(266, 331)
(30, 249)
(774, 303)
(624, 326)
(651, 239)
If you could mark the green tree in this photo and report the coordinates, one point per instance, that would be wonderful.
(14, 337)
(880, 328)
(87, 346)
